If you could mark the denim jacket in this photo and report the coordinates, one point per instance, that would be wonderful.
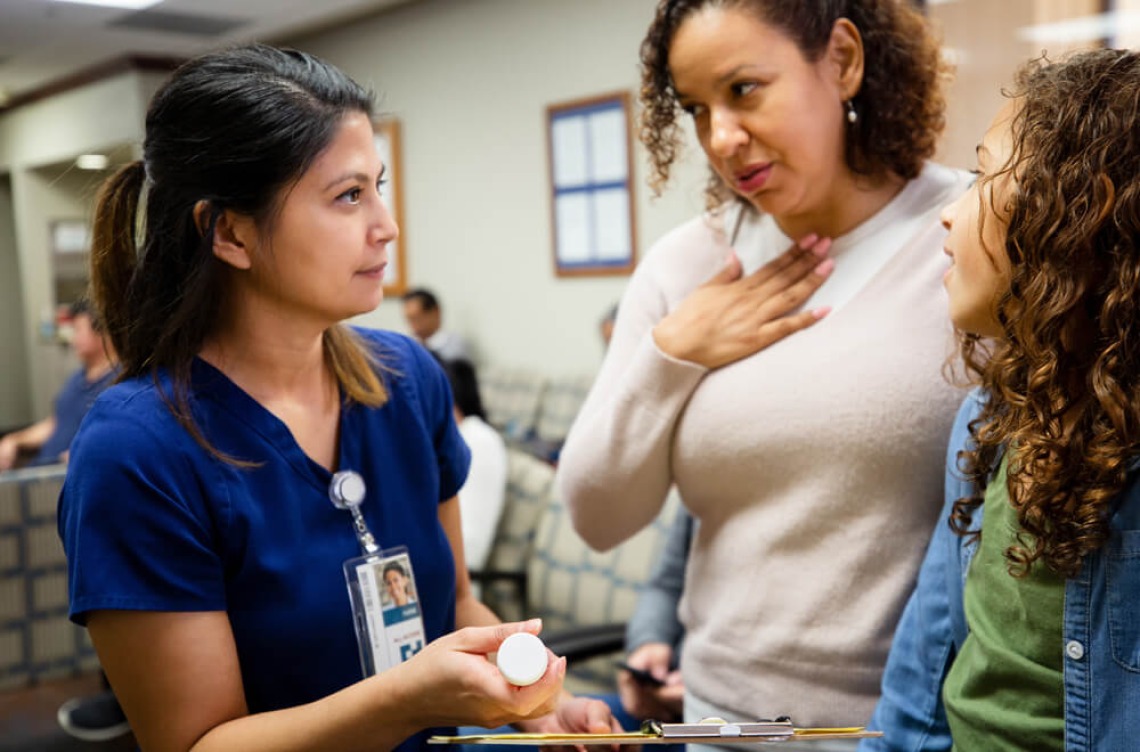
(1100, 642)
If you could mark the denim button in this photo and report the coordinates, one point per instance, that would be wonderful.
(1074, 650)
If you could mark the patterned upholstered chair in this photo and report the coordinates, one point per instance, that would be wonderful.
(539, 566)
(560, 404)
(511, 397)
(37, 641)
(585, 597)
(503, 582)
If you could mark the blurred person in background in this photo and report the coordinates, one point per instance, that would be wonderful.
(424, 315)
(50, 438)
(654, 634)
(484, 492)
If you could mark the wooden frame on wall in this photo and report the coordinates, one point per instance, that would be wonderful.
(589, 148)
(387, 138)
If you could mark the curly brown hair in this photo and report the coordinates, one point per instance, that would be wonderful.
(1063, 382)
(900, 104)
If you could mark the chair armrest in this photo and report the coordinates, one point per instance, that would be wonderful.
(581, 643)
(517, 580)
(496, 575)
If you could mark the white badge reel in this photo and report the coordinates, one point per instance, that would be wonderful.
(381, 588)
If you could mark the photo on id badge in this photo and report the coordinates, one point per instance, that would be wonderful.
(390, 628)
(399, 588)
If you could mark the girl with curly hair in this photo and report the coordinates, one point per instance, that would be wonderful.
(804, 423)
(1036, 643)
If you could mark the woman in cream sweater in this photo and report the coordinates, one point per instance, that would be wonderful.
(779, 359)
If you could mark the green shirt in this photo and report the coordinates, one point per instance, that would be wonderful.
(1005, 690)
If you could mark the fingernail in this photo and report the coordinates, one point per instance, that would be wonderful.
(819, 313)
(533, 625)
(824, 267)
(807, 240)
(822, 247)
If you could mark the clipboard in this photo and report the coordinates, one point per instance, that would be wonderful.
(708, 731)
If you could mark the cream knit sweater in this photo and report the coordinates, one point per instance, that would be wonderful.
(815, 466)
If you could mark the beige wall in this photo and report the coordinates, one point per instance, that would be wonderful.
(988, 40)
(14, 407)
(1129, 34)
(41, 198)
(470, 80)
(34, 142)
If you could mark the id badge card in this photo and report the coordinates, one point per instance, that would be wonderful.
(386, 609)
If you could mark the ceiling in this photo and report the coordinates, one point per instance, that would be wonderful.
(44, 41)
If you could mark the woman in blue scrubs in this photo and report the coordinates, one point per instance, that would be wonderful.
(205, 556)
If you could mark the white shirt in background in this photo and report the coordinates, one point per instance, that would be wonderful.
(481, 498)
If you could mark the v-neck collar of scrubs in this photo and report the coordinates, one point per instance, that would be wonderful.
(214, 384)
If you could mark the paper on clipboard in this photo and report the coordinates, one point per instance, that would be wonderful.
(717, 732)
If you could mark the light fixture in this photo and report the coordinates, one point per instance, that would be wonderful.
(954, 56)
(1083, 29)
(92, 161)
(126, 4)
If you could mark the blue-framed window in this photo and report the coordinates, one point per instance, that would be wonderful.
(591, 187)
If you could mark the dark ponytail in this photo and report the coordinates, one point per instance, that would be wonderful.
(114, 249)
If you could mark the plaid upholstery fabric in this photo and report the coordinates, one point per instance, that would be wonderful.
(511, 398)
(560, 404)
(36, 639)
(528, 490)
(570, 585)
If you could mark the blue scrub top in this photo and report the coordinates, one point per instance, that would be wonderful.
(151, 521)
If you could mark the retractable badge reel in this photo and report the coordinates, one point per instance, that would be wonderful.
(381, 588)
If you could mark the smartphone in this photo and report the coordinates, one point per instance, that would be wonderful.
(640, 675)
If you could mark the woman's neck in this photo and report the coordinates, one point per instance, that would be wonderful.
(852, 201)
(277, 357)
(271, 358)
(269, 370)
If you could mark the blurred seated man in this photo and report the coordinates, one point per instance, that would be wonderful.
(97, 718)
(483, 494)
(654, 633)
(51, 437)
(425, 319)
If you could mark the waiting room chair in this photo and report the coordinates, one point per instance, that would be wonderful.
(511, 397)
(37, 641)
